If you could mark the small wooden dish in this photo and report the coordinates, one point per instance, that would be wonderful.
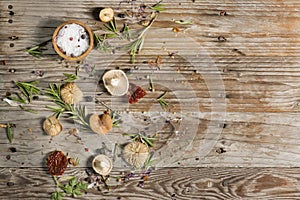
(59, 52)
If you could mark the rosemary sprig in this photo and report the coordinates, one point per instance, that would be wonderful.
(34, 51)
(136, 46)
(162, 102)
(149, 162)
(142, 138)
(28, 89)
(102, 43)
(70, 77)
(75, 112)
(112, 28)
(158, 7)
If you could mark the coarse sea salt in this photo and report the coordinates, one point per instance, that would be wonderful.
(73, 40)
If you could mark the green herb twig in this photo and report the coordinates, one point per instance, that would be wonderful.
(36, 51)
(75, 112)
(142, 138)
(158, 7)
(74, 188)
(70, 77)
(149, 162)
(28, 89)
(162, 102)
(9, 132)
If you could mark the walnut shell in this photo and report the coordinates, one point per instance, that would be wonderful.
(136, 154)
(106, 14)
(52, 126)
(101, 124)
(70, 93)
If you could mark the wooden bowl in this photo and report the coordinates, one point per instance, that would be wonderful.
(89, 32)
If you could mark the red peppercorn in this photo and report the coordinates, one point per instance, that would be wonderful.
(71, 38)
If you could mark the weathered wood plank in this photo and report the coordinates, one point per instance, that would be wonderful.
(249, 139)
(257, 66)
(169, 183)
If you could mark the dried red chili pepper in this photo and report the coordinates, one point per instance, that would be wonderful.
(57, 163)
(135, 93)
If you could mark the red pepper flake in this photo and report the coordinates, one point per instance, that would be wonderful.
(57, 163)
(135, 93)
(3, 62)
(86, 149)
(71, 38)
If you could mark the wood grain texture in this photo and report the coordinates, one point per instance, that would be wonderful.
(240, 95)
(168, 183)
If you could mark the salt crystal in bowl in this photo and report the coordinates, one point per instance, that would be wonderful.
(73, 40)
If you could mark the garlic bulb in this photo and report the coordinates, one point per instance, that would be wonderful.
(52, 126)
(136, 154)
(70, 93)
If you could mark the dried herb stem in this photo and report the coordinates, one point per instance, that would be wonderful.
(162, 102)
(75, 112)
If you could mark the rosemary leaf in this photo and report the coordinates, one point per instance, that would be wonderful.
(9, 133)
(70, 77)
(158, 7)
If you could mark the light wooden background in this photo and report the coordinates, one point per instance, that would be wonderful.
(232, 130)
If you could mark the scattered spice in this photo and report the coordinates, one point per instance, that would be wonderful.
(176, 29)
(222, 39)
(57, 163)
(135, 93)
(223, 13)
(38, 73)
(3, 62)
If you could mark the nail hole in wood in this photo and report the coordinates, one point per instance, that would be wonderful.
(11, 45)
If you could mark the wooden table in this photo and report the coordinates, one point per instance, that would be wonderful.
(232, 82)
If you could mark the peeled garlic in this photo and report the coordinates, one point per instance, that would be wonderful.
(52, 126)
(70, 93)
